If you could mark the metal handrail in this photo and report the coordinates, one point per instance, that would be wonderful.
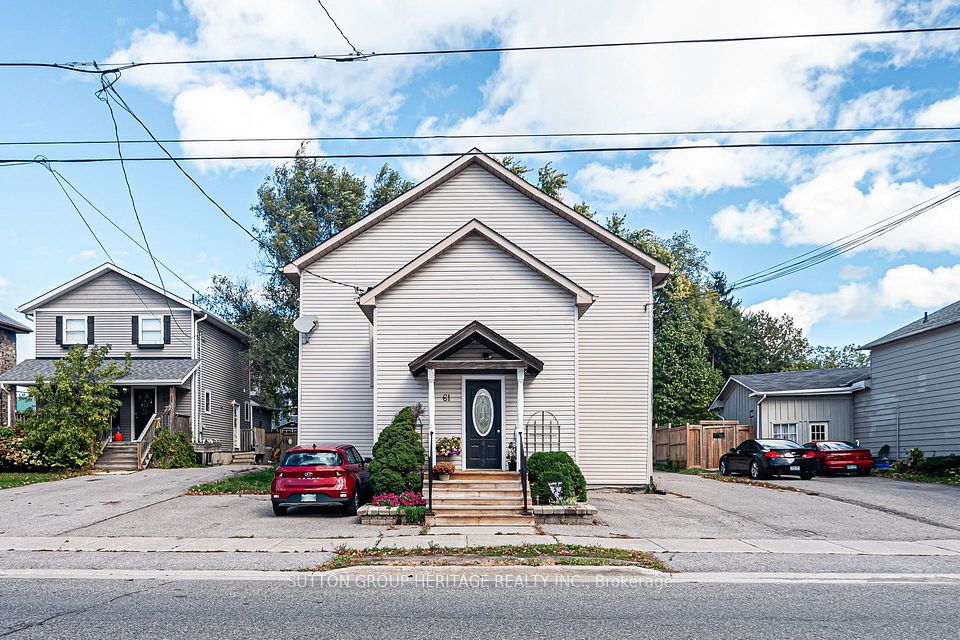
(522, 466)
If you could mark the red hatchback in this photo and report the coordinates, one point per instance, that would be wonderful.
(321, 474)
(839, 455)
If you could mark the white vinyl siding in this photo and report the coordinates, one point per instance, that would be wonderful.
(475, 280)
(614, 359)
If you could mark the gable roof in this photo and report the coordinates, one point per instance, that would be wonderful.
(173, 371)
(808, 382)
(475, 157)
(944, 317)
(478, 332)
(107, 267)
(8, 323)
(476, 228)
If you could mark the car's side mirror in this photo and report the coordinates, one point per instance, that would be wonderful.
(367, 460)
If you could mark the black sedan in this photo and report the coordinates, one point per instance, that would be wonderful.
(764, 458)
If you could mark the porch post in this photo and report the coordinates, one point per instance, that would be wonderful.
(520, 376)
(431, 410)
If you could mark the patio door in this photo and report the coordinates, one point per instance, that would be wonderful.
(483, 421)
(144, 406)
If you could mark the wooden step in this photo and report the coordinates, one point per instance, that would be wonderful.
(484, 501)
(478, 493)
(475, 485)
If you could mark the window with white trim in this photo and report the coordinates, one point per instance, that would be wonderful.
(151, 330)
(207, 401)
(246, 411)
(75, 330)
(818, 430)
(785, 431)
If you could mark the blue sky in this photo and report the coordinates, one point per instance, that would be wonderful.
(750, 209)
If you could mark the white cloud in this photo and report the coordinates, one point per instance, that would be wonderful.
(83, 256)
(908, 285)
(945, 113)
(221, 111)
(879, 107)
(754, 224)
(674, 174)
(854, 272)
(3, 285)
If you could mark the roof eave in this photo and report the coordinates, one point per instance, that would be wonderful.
(830, 391)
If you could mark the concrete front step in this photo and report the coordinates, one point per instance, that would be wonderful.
(467, 520)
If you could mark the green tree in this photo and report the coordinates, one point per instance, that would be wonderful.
(832, 357)
(74, 406)
(398, 456)
(302, 204)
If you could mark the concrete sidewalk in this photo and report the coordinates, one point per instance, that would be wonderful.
(945, 547)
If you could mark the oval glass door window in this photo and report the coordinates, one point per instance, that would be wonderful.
(482, 412)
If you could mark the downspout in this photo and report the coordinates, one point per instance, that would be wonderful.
(759, 416)
(198, 381)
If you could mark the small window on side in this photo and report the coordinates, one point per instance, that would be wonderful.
(207, 401)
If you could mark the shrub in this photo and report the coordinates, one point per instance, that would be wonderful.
(939, 465)
(172, 451)
(555, 466)
(16, 456)
(403, 499)
(398, 456)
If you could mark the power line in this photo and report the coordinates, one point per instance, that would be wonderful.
(487, 136)
(844, 244)
(342, 34)
(111, 88)
(93, 68)
(523, 152)
(104, 95)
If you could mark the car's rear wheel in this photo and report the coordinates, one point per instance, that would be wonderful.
(806, 475)
(755, 471)
(354, 503)
(724, 471)
(279, 511)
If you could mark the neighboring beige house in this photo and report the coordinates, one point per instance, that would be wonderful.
(495, 306)
(188, 367)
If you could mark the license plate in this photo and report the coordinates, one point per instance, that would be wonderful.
(308, 497)
(795, 467)
(851, 466)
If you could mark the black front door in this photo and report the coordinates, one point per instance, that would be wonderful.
(144, 406)
(484, 414)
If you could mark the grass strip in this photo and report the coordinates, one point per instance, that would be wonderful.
(11, 479)
(252, 483)
(502, 555)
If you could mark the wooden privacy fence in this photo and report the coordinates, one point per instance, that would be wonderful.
(698, 445)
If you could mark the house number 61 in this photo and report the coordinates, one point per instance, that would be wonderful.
(445, 397)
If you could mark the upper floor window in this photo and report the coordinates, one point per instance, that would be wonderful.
(151, 330)
(75, 330)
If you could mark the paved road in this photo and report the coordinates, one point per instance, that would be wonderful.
(454, 609)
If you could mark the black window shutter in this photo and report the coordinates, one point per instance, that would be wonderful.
(90, 338)
(135, 331)
(166, 329)
(59, 330)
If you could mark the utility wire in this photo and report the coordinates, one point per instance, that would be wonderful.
(521, 152)
(356, 51)
(92, 67)
(104, 95)
(485, 136)
(111, 88)
(844, 244)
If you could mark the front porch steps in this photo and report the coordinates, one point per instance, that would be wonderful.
(472, 498)
(118, 456)
(244, 457)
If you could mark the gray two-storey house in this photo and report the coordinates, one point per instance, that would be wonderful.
(189, 368)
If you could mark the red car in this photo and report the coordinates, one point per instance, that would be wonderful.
(321, 474)
(839, 455)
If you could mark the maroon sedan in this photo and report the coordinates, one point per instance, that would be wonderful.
(838, 455)
(321, 474)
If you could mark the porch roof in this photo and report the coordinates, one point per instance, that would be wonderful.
(511, 356)
(147, 371)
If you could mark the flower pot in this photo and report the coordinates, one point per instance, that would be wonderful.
(511, 465)
(443, 476)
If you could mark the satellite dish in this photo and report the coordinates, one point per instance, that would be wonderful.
(305, 324)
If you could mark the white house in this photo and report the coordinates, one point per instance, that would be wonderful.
(495, 306)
